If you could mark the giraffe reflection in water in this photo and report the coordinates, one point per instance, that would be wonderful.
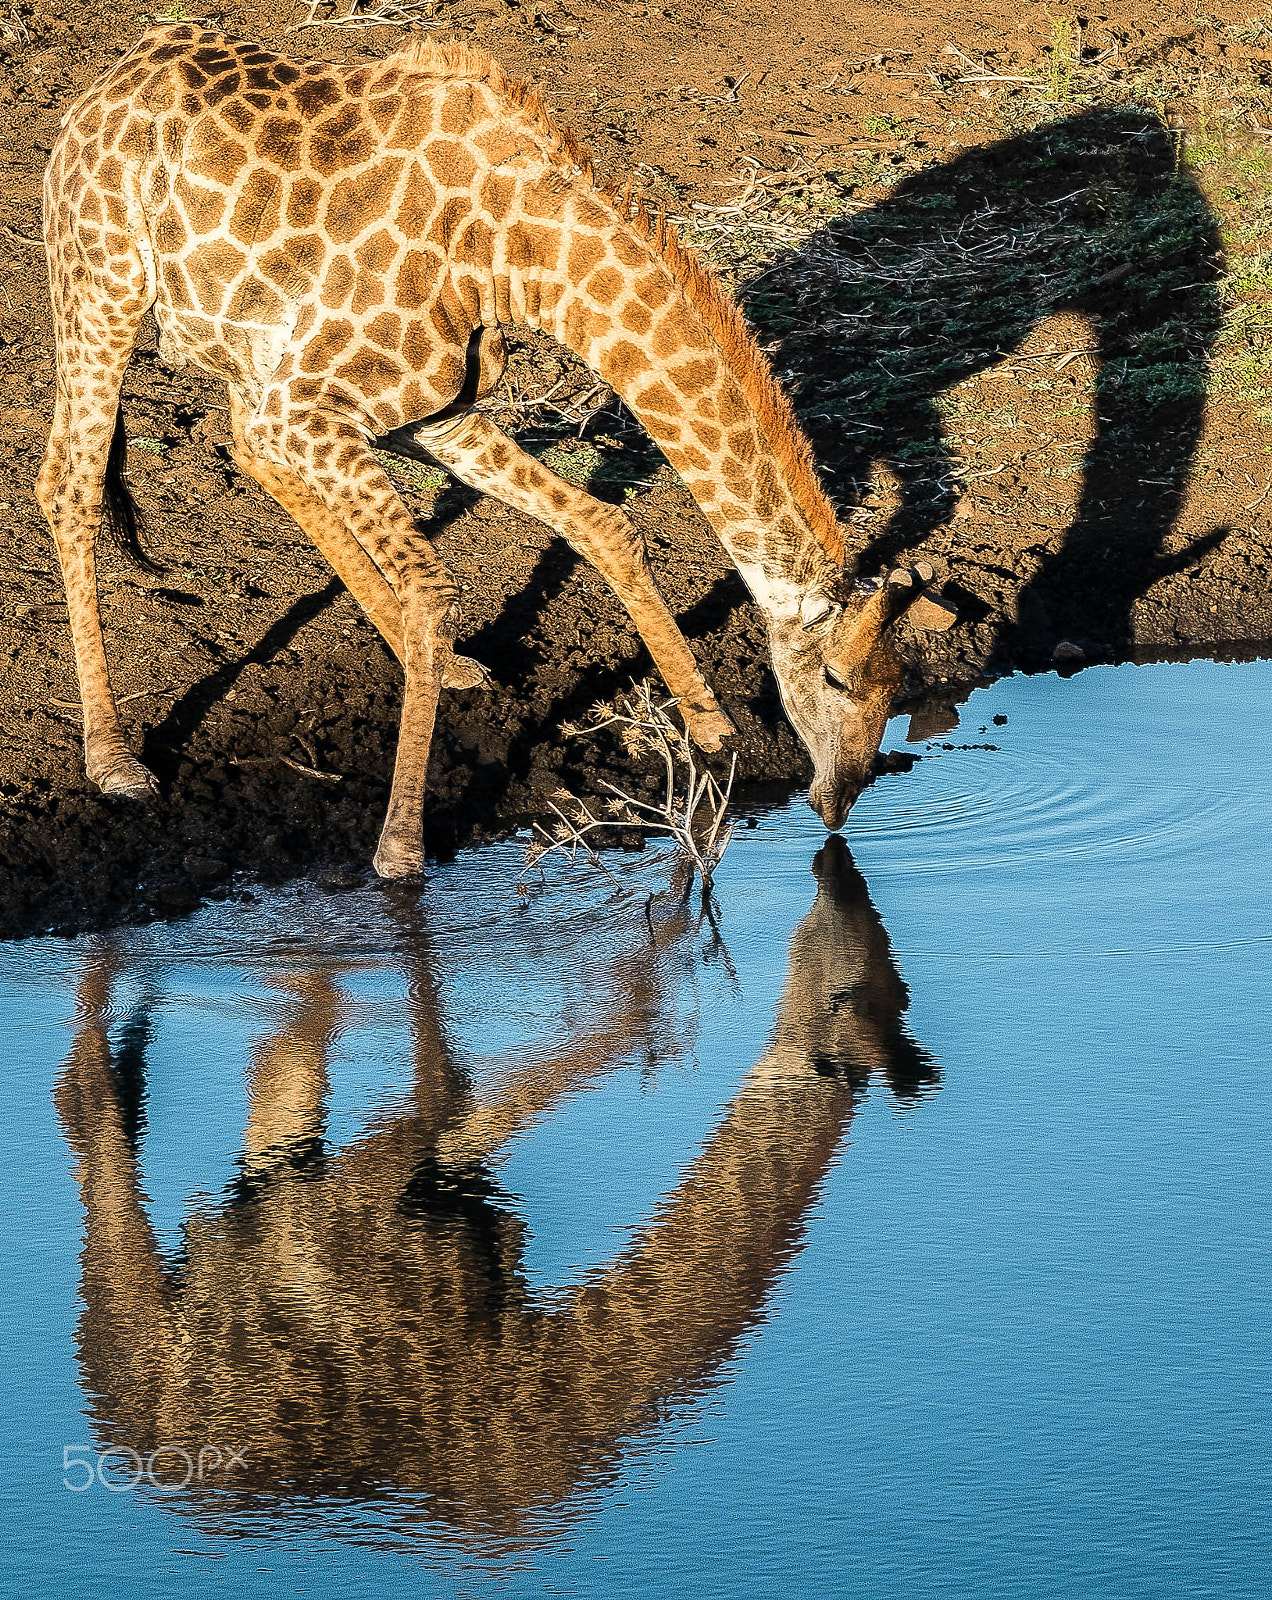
(357, 1321)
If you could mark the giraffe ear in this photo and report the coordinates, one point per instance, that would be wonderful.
(865, 630)
(901, 594)
(926, 612)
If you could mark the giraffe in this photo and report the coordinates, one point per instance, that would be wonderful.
(360, 1315)
(344, 245)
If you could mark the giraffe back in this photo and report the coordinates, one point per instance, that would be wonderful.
(348, 221)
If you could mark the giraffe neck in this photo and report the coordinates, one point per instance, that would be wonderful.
(657, 327)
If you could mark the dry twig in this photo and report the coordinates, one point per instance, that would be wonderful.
(286, 761)
(691, 811)
(395, 13)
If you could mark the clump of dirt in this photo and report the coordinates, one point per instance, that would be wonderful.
(1013, 269)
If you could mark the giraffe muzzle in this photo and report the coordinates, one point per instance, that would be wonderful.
(832, 803)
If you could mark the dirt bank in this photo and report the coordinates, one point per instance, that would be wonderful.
(1014, 269)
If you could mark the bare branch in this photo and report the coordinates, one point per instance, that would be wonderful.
(644, 723)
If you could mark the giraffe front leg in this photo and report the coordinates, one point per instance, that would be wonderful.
(483, 457)
(329, 457)
(430, 612)
(350, 562)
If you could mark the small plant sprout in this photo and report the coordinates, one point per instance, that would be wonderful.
(691, 810)
(1062, 60)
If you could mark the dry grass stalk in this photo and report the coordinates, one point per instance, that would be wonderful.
(774, 211)
(691, 811)
(395, 13)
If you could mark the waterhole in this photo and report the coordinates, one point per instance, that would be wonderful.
(902, 1233)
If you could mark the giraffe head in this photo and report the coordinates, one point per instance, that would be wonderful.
(838, 671)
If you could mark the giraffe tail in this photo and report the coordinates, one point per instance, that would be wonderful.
(120, 517)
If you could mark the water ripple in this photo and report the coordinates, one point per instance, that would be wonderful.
(1035, 806)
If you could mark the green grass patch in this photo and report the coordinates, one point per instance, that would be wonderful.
(603, 466)
(887, 126)
(420, 476)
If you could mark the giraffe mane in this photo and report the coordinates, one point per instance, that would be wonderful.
(701, 286)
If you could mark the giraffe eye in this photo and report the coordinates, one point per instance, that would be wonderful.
(817, 611)
(836, 682)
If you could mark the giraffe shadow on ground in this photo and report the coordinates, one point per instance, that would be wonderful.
(878, 315)
(165, 740)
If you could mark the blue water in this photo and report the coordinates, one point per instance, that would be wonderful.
(908, 1239)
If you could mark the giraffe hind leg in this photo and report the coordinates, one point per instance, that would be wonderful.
(94, 342)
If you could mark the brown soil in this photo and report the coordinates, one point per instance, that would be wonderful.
(1005, 310)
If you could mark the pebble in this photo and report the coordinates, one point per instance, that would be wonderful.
(340, 882)
(205, 869)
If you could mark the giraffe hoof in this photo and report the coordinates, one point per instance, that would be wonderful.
(398, 861)
(462, 672)
(708, 725)
(129, 780)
